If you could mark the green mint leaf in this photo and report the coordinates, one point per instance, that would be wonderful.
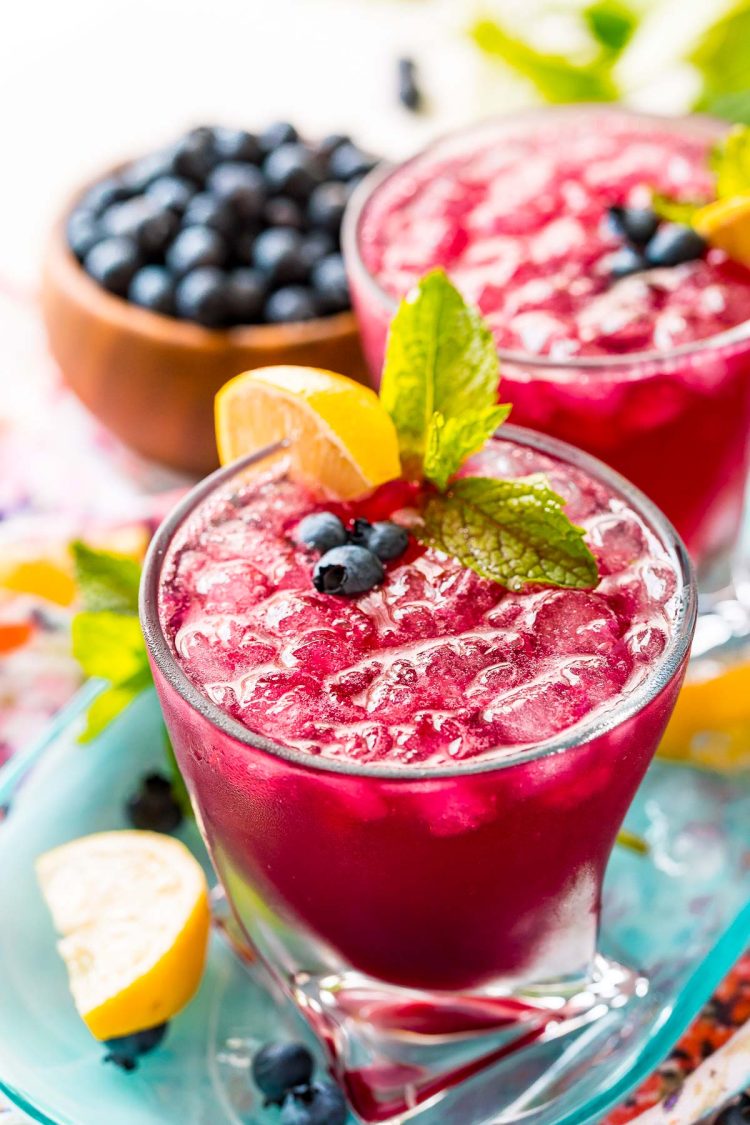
(440, 358)
(451, 440)
(730, 162)
(733, 107)
(109, 645)
(510, 531)
(557, 78)
(179, 788)
(612, 23)
(107, 706)
(720, 55)
(106, 581)
(675, 210)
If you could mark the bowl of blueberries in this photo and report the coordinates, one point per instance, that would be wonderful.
(174, 272)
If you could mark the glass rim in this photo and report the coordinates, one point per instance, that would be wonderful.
(579, 734)
(365, 191)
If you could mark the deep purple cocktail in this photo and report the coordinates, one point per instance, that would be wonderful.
(422, 784)
(643, 371)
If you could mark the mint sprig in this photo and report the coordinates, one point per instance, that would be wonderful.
(440, 387)
(730, 163)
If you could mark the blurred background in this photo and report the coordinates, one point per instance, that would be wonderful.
(84, 83)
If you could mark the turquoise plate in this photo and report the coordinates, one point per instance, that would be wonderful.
(682, 914)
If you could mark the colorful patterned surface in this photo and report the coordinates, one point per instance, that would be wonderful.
(106, 496)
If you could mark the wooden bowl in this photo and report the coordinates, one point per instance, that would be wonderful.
(151, 379)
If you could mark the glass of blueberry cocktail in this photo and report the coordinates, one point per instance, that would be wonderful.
(623, 334)
(410, 774)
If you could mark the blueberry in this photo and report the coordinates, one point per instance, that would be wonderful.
(636, 224)
(276, 253)
(293, 169)
(195, 154)
(326, 207)
(409, 93)
(112, 262)
(104, 194)
(205, 210)
(243, 247)
(283, 212)
(153, 806)
(246, 295)
(348, 161)
(322, 1103)
(125, 1050)
(321, 531)
(202, 296)
(315, 246)
(150, 226)
(289, 304)
(280, 133)
(625, 261)
(82, 231)
(347, 570)
(674, 243)
(153, 288)
(330, 143)
(195, 247)
(237, 144)
(138, 175)
(737, 1114)
(278, 1067)
(173, 192)
(330, 284)
(241, 185)
(384, 538)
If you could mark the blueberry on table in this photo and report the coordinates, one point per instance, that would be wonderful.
(278, 1067)
(625, 261)
(331, 287)
(206, 210)
(82, 232)
(280, 211)
(326, 206)
(195, 154)
(636, 224)
(153, 806)
(104, 194)
(237, 144)
(674, 243)
(348, 570)
(276, 253)
(280, 133)
(241, 185)
(293, 169)
(246, 295)
(348, 161)
(201, 296)
(152, 288)
(125, 1050)
(322, 1103)
(289, 304)
(112, 262)
(321, 531)
(172, 192)
(409, 93)
(195, 247)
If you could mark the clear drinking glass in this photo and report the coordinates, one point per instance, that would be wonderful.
(675, 422)
(425, 920)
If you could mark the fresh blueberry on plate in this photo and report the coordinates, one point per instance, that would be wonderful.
(278, 1067)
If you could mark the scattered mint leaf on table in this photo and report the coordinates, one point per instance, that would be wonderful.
(510, 531)
(106, 581)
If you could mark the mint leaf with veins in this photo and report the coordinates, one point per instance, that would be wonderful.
(440, 359)
(510, 531)
(106, 581)
(451, 440)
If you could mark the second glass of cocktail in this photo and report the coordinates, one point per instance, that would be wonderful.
(410, 790)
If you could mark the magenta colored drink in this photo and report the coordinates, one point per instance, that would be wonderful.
(423, 783)
(641, 371)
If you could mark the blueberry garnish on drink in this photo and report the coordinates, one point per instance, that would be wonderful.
(170, 231)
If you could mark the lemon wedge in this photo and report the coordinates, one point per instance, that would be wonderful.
(342, 439)
(726, 225)
(710, 724)
(131, 909)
